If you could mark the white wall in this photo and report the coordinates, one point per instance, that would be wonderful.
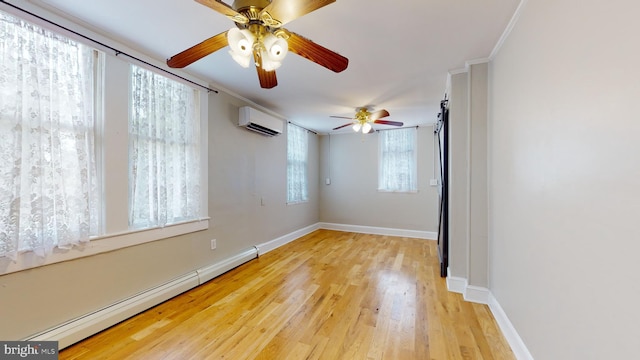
(351, 162)
(564, 172)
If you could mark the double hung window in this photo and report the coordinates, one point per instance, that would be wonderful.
(49, 193)
(297, 154)
(397, 160)
(164, 151)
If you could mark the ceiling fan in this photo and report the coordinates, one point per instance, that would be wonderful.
(259, 34)
(364, 118)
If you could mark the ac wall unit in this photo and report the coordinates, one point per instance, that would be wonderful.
(256, 120)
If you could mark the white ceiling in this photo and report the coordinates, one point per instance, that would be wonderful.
(399, 51)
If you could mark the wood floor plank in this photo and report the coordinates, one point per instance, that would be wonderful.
(328, 295)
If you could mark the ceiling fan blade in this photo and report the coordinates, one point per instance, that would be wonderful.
(389, 122)
(198, 51)
(225, 10)
(341, 117)
(288, 10)
(267, 79)
(341, 126)
(379, 114)
(316, 53)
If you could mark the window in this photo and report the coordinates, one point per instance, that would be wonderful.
(164, 151)
(49, 195)
(397, 160)
(297, 149)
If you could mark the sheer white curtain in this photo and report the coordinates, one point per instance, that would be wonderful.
(48, 190)
(164, 151)
(397, 160)
(297, 149)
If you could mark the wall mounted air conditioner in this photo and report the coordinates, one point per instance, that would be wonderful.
(260, 122)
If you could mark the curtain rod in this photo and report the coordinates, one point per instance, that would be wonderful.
(406, 127)
(311, 131)
(117, 52)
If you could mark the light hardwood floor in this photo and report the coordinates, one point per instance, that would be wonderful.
(328, 295)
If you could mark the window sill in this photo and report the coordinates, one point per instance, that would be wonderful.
(297, 202)
(399, 191)
(102, 244)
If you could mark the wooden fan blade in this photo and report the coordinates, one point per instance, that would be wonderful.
(341, 117)
(288, 10)
(379, 114)
(389, 122)
(341, 126)
(199, 51)
(267, 79)
(225, 10)
(316, 53)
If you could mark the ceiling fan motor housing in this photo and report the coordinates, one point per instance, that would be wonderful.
(241, 5)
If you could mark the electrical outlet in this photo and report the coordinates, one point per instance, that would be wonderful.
(213, 244)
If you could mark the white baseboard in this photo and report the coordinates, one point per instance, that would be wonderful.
(456, 284)
(85, 326)
(285, 239)
(89, 324)
(513, 338)
(429, 235)
(470, 293)
(483, 295)
(476, 294)
(209, 272)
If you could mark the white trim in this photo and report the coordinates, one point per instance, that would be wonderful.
(459, 71)
(469, 293)
(429, 235)
(285, 239)
(92, 323)
(471, 62)
(477, 294)
(101, 245)
(507, 31)
(508, 330)
(456, 284)
(84, 326)
(483, 295)
(209, 272)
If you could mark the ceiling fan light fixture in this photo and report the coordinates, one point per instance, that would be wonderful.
(356, 127)
(241, 44)
(274, 49)
(366, 128)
